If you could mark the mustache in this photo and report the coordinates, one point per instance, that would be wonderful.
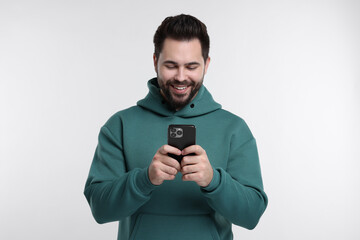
(177, 82)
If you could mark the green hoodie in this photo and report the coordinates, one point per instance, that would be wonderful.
(118, 187)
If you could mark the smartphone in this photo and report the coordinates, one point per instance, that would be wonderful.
(181, 136)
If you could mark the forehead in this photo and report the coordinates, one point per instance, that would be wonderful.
(181, 51)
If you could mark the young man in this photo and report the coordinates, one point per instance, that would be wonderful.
(132, 178)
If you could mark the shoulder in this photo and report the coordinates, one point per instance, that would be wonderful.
(231, 117)
(115, 121)
(236, 125)
(123, 114)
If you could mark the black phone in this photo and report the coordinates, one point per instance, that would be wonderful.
(181, 136)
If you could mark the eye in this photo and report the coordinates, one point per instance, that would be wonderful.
(170, 66)
(192, 67)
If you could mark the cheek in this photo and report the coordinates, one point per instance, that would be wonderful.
(166, 74)
(196, 75)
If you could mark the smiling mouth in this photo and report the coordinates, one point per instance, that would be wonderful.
(179, 90)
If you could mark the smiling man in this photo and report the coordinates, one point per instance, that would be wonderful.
(180, 70)
(133, 178)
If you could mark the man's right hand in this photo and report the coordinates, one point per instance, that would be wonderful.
(162, 166)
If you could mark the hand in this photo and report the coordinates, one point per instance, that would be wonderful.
(162, 166)
(196, 168)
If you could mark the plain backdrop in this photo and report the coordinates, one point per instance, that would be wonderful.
(289, 68)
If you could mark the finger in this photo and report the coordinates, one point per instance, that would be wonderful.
(165, 149)
(170, 177)
(189, 160)
(165, 176)
(168, 170)
(191, 177)
(157, 176)
(171, 162)
(188, 169)
(196, 149)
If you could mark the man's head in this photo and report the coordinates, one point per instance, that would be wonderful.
(181, 58)
(182, 28)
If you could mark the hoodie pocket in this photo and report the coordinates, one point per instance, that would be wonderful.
(150, 226)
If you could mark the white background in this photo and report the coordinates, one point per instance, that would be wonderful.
(289, 68)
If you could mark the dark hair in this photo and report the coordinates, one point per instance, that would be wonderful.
(183, 28)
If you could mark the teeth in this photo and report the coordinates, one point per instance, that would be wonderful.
(180, 88)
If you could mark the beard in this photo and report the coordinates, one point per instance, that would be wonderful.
(178, 101)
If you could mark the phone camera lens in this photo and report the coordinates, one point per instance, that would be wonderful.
(172, 135)
(172, 130)
(179, 132)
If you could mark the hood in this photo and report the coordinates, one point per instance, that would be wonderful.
(203, 103)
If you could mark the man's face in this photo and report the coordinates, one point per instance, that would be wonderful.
(180, 71)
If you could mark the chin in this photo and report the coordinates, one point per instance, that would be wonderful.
(180, 100)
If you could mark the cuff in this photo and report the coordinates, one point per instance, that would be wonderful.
(143, 182)
(215, 181)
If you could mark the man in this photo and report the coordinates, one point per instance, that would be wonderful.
(132, 178)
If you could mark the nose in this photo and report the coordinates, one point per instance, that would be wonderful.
(180, 75)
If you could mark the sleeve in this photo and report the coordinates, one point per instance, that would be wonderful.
(237, 192)
(112, 192)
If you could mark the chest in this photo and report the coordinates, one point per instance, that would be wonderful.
(144, 135)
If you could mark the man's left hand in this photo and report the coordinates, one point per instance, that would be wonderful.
(196, 167)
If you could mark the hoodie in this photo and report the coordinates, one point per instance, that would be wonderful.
(118, 186)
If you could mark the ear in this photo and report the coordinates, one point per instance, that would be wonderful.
(207, 62)
(155, 62)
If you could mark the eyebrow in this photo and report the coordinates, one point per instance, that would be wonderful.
(175, 63)
(170, 62)
(192, 63)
